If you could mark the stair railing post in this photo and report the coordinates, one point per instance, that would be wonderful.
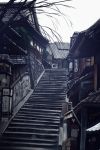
(49, 74)
(60, 140)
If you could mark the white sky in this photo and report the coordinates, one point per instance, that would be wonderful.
(85, 13)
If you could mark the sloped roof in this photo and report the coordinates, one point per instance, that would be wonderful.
(20, 9)
(87, 42)
(58, 50)
(93, 99)
(22, 15)
(94, 128)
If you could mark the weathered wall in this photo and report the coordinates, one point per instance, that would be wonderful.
(22, 84)
(36, 68)
(21, 88)
(24, 76)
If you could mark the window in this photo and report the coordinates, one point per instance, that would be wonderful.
(75, 65)
(89, 61)
(70, 66)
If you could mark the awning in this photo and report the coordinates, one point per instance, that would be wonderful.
(94, 128)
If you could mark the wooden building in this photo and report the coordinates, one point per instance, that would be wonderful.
(84, 90)
(21, 50)
(57, 54)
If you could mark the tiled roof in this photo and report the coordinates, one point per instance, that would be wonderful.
(13, 9)
(58, 50)
(92, 99)
(94, 128)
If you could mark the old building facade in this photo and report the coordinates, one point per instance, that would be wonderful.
(21, 50)
(83, 91)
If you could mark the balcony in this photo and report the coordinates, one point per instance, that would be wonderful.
(80, 87)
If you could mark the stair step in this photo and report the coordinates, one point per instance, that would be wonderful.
(42, 116)
(51, 97)
(41, 110)
(49, 89)
(27, 144)
(48, 95)
(49, 92)
(37, 113)
(39, 125)
(36, 125)
(30, 134)
(35, 121)
(35, 118)
(23, 148)
(31, 129)
(25, 139)
(48, 100)
(42, 106)
(45, 101)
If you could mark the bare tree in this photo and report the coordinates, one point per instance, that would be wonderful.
(52, 10)
(49, 8)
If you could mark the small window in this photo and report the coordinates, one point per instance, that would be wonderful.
(75, 65)
(70, 66)
(89, 61)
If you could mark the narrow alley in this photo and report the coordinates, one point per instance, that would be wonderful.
(49, 75)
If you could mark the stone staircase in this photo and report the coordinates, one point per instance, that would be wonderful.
(36, 125)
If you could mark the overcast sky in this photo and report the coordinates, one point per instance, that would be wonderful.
(83, 15)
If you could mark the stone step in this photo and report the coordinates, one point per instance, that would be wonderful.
(27, 144)
(40, 110)
(42, 116)
(53, 77)
(5, 147)
(39, 125)
(48, 99)
(35, 121)
(50, 92)
(43, 107)
(37, 117)
(31, 134)
(31, 129)
(25, 139)
(49, 96)
(36, 104)
(36, 125)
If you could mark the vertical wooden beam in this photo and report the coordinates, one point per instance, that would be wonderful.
(0, 106)
(83, 128)
(60, 134)
(30, 67)
(95, 77)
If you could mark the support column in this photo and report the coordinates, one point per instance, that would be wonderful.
(83, 128)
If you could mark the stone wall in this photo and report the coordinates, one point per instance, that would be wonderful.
(36, 68)
(21, 88)
(27, 75)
